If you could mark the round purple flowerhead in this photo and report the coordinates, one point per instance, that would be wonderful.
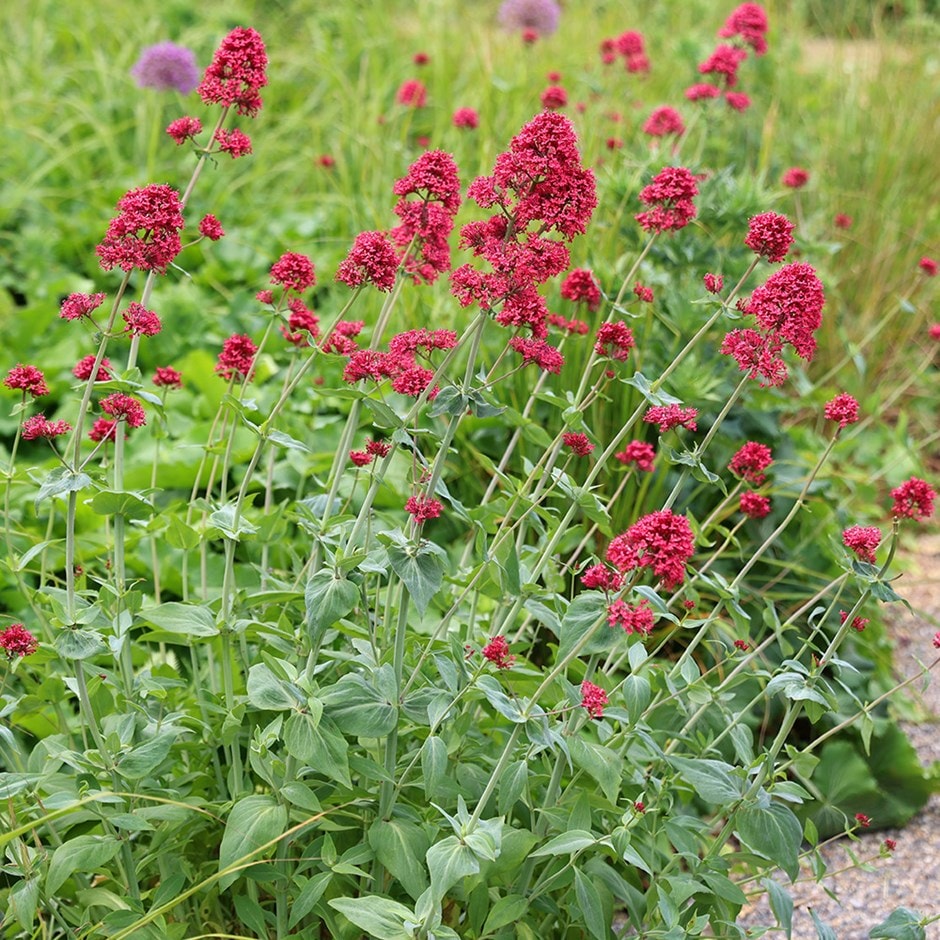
(540, 15)
(167, 66)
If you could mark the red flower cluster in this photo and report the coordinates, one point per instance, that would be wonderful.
(580, 286)
(167, 377)
(145, 235)
(614, 340)
(788, 311)
(412, 94)
(741, 645)
(858, 623)
(183, 129)
(237, 72)
(543, 354)
(749, 22)
(669, 197)
(725, 62)
(841, 220)
(843, 408)
(737, 100)
(301, 323)
(643, 293)
(82, 369)
(16, 640)
(371, 259)
(28, 379)
(663, 122)
(750, 462)
(661, 540)
(235, 143)
(466, 118)
(913, 499)
(362, 458)
(578, 327)
(593, 698)
(237, 357)
(341, 340)
(539, 181)
(39, 427)
(928, 266)
(600, 576)
(210, 227)
(753, 505)
(422, 508)
(497, 652)
(630, 46)
(633, 619)
(769, 235)
(713, 283)
(293, 272)
(76, 306)
(795, 178)
(399, 363)
(672, 416)
(702, 92)
(640, 453)
(554, 97)
(124, 407)
(578, 444)
(141, 321)
(104, 429)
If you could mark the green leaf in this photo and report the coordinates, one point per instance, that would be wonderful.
(434, 767)
(384, 416)
(224, 519)
(181, 619)
(300, 736)
(79, 644)
(330, 752)
(449, 401)
(83, 853)
(566, 843)
(250, 914)
(253, 821)
(586, 614)
(422, 572)
(285, 440)
(636, 695)
(507, 707)
(602, 763)
(308, 897)
(448, 861)
(505, 911)
(271, 693)
(23, 900)
(400, 846)
(645, 388)
(328, 598)
(381, 918)
(359, 708)
(902, 924)
(711, 779)
(112, 502)
(61, 480)
(773, 832)
(145, 758)
(180, 535)
(589, 900)
(823, 931)
(781, 903)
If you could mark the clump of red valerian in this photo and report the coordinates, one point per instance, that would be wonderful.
(236, 74)
(769, 235)
(237, 357)
(38, 426)
(663, 122)
(661, 541)
(928, 266)
(302, 324)
(639, 453)
(737, 100)
(497, 652)
(672, 416)
(749, 23)
(580, 286)
(643, 293)
(788, 311)
(669, 198)
(713, 283)
(466, 118)
(577, 443)
(210, 227)
(167, 377)
(702, 92)
(630, 45)
(412, 94)
(342, 338)
(754, 505)
(843, 408)
(725, 62)
(399, 363)
(124, 407)
(858, 623)
(16, 640)
(422, 508)
(593, 699)
(104, 429)
(795, 178)
(631, 618)
(27, 379)
(361, 458)
(235, 143)
(293, 272)
(141, 321)
(614, 340)
(145, 233)
(183, 129)
(602, 577)
(82, 369)
(543, 354)
(913, 499)
(538, 187)
(750, 462)
(554, 97)
(76, 306)
(372, 259)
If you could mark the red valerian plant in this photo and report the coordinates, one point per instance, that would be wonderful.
(145, 233)
(661, 541)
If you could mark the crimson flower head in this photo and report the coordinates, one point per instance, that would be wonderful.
(82, 369)
(466, 118)
(795, 178)
(928, 266)
(934, 331)
(16, 640)
(749, 22)
(630, 618)
(412, 94)
(600, 576)
(539, 16)
(497, 652)
(432, 177)
(293, 272)
(863, 820)
(183, 129)
(669, 199)
(167, 377)
(360, 458)
(713, 283)
(301, 324)
(580, 286)
(104, 429)
(543, 354)
(662, 541)
(237, 357)
(737, 100)
(725, 62)
(145, 234)
(39, 427)
(141, 321)
(593, 699)
(750, 462)
(420, 58)
(639, 453)
(235, 143)
(663, 122)
(237, 72)
(578, 444)
(372, 259)
(644, 293)
(770, 235)
(76, 306)
(167, 66)
(841, 220)
(28, 379)
(126, 407)
(554, 97)
(702, 92)
(529, 35)
(210, 227)
(913, 499)
(754, 505)
(672, 416)
(422, 508)
(858, 623)
(614, 340)
(843, 408)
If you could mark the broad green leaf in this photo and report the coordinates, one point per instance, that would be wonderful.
(180, 535)
(182, 619)
(602, 763)
(711, 779)
(586, 616)
(307, 899)
(448, 861)
(506, 706)
(636, 695)
(902, 924)
(300, 736)
(589, 900)
(330, 751)
(271, 693)
(285, 440)
(83, 853)
(421, 570)
(79, 644)
(434, 766)
(381, 918)
(250, 914)
(773, 832)
(112, 502)
(61, 480)
(145, 758)
(253, 821)
(231, 526)
(781, 903)
(512, 786)
(328, 598)
(359, 708)
(823, 931)
(23, 900)
(400, 846)
(505, 911)
(566, 843)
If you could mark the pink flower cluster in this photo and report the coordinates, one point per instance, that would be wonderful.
(237, 72)
(631, 46)
(614, 340)
(669, 200)
(672, 416)
(664, 122)
(497, 652)
(593, 699)
(237, 357)
(27, 379)
(422, 508)
(913, 499)
(843, 408)
(661, 541)
(601, 577)
(16, 640)
(631, 618)
(754, 505)
(770, 235)
(145, 233)
(750, 462)
(639, 453)
(39, 427)
(580, 287)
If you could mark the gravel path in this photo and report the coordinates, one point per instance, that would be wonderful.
(910, 876)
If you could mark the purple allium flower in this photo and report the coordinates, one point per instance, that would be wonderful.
(540, 15)
(166, 66)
